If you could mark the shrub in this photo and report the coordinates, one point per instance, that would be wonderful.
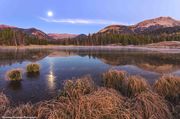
(148, 105)
(169, 87)
(33, 68)
(136, 85)
(14, 75)
(114, 79)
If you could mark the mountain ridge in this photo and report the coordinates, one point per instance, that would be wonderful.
(146, 25)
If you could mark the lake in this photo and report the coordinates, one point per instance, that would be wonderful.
(58, 65)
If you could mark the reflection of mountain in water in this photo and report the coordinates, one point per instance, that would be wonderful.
(150, 61)
(157, 62)
(9, 57)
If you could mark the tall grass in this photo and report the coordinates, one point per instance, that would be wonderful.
(136, 85)
(115, 79)
(148, 105)
(128, 86)
(4, 103)
(169, 87)
(78, 87)
(82, 99)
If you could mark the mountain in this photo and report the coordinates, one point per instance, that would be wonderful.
(5, 26)
(144, 26)
(61, 36)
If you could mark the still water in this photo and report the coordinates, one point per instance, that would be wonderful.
(60, 65)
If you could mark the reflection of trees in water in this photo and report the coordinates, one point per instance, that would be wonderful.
(9, 57)
(158, 62)
(124, 58)
(146, 60)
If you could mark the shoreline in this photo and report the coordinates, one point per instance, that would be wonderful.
(161, 49)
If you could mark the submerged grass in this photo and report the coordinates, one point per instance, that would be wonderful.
(82, 99)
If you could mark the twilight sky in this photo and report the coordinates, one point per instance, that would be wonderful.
(82, 16)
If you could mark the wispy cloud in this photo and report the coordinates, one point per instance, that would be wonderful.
(80, 21)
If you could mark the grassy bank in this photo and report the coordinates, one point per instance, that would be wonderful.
(121, 97)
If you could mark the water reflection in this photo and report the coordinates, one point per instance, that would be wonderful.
(15, 85)
(78, 63)
(51, 77)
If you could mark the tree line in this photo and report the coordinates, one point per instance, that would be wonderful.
(16, 37)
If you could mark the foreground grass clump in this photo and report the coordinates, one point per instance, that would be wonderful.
(4, 102)
(33, 68)
(114, 79)
(169, 87)
(136, 85)
(14, 75)
(99, 104)
(128, 86)
(148, 105)
(78, 87)
(24, 110)
(82, 99)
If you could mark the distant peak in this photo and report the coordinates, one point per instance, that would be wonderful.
(160, 21)
(6, 26)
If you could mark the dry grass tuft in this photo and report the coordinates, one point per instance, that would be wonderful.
(169, 87)
(26, 110)
(14, 75)
(33, 68)
(136, 85)
(149, 105)
(78, 87)
(101, 104)
(4, 103)
(114, 79)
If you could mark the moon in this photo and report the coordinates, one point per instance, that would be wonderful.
(50, 14)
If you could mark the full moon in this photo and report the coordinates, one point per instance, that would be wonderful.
(50, 13)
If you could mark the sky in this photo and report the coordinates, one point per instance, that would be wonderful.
(82, 16)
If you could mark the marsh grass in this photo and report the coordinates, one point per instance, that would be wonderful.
(33, 68)
(127, 85)
(14, 75)
(149, 105)
(4, 103)
(169, 87)
(136, 85)
(82, 99)
(77, 87)
(115, 79)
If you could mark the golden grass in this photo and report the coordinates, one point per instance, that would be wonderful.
(169, 87)
(78, 87)
(33, 68)
(114, 79)
(26, 110)
(4, 103)
(82, 99)
(14, 75)
(148, 105)
(136, 85)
